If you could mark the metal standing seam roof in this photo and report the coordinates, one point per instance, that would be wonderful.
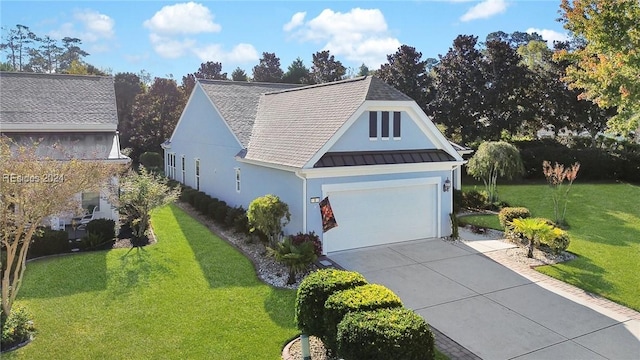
(360, 158)
(34, 98)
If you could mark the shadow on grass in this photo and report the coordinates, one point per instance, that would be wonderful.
(279, 304)
(135, 269)
(65, 275)
(581, 272)
(222, 265)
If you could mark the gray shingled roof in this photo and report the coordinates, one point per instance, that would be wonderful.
(52, 99)
(291, 126)
(360, 158)
(238, 102)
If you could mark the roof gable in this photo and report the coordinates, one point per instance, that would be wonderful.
(30, 101)
(237, 102)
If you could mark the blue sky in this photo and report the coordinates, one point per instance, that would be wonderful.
(173, 38)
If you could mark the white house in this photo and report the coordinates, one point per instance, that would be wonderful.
(369, 149)
(76, 112)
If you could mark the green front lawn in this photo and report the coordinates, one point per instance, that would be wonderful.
(190, 296)
(604, 222)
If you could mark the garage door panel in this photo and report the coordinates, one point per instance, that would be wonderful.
(377, 216)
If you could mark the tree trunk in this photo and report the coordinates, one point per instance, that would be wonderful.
(530, 253)
(292, 277)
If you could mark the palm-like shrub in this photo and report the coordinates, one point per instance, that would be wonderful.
(296, 258)
(534, 229)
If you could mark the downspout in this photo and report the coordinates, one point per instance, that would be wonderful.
(304, 201)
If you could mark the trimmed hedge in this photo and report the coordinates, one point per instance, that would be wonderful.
(49, 242)
(314, 291)
(105, 228)
(361, 298)
(385, 334)
(187, 195)
(507, 214)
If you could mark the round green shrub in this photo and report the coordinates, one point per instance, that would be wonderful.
(360, 298)
(314, 290)
(558, 242)
(16, 328)
(507, 214)
(385, 334)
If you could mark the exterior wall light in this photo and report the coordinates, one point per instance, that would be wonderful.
(447, 185)
(314, 200)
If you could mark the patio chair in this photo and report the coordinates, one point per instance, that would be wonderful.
(84, 220)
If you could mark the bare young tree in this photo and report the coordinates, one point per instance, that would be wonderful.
(37, 182)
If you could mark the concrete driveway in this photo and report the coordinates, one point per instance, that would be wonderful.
(491, 310)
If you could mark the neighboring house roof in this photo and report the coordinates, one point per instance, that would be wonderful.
(292, 125)
(55, 102)
(238, 101)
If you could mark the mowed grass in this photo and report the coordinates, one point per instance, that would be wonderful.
(190, 296)
(484, 220)
(604, 227)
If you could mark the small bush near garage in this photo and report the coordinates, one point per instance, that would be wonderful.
(385, 334)
(311, 237)
(360, 298)
(507, 214)
(474, 199)
(49, 242)
(314, 291)
(557, 242)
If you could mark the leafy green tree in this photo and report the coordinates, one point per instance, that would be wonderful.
(460, 84)
(268, 70)
(297, 73)
(506, 102)
(269, 215)
(208, 70)
(140, 193)
(71, 52)
(406, 71)
(155, 114)
(239, 75)
(127, 87)
(363, 70)
(326, 68)
(17, 42)
(607, 68)
(534, 229)
(495, 159)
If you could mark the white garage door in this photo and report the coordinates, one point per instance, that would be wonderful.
(381, 212)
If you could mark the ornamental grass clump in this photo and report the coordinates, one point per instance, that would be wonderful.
(556, 176)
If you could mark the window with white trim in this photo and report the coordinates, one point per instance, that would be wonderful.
(385, 125)
(373, 125)
(197, 174)
(171, 165)
(184, 169)
(238, 180)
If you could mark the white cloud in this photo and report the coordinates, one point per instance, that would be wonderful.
(296, 20)
(360, 35)
(185, 18)
(240, 53)
(170, 48)
(549, 35)
(89, 26)
(484, 10)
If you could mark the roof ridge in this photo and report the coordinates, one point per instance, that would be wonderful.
(246, 83)
(36, 74)
(359, 78)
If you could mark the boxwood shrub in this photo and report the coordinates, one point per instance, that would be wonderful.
(49, 242)
(360, 298)
(507, 214)
(187, 195)
(314, 290)
(385, 334)
(105, 228)
(558, 242)
(221, 212)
